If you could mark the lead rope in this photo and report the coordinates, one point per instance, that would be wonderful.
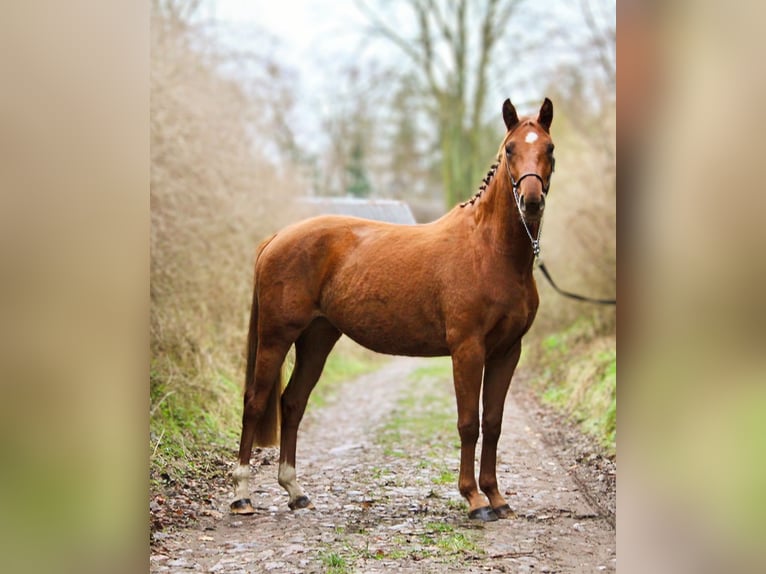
(544, 269)
(536, 242)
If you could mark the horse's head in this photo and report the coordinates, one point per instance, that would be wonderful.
(528, 158)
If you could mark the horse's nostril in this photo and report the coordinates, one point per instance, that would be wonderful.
(533, 207)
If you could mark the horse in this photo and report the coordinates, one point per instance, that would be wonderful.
(460, 286)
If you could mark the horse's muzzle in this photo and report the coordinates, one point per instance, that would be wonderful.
(532, 209)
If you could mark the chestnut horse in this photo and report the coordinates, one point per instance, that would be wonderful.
(459, 286)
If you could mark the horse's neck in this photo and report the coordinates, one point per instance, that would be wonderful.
(499, 222)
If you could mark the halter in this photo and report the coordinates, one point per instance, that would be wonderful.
(515, 187)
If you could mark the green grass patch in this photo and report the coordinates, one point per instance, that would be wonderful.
(457, 543)
(192, 414)
(458, 505)
(437, 540)
(577, 374)
(422, 425)
(334, 563)
(426, 414)
(446, 476)
(439, 368)
(440, 527)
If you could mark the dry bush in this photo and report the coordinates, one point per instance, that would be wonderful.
(215, 193)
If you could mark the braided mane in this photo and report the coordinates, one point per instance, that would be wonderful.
(485, 182)
(494, 166)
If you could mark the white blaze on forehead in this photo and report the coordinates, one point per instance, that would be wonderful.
(531, 137)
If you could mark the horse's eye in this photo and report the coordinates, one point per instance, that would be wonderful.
(509, 148)
(551, 147)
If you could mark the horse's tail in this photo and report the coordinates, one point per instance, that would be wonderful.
(267, 425)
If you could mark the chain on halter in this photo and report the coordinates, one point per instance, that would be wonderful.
(515, 186)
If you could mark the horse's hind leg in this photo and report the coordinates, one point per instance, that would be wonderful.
(311, 350)
(497, 378)
(268, 366)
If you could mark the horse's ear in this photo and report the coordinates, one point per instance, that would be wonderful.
(546, 114)
(509, 114)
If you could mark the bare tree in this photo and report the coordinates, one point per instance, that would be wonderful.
(450, 47)
(602, 28)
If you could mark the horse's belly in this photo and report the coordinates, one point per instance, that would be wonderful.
(402, 344)
(386, 313)
(384, 330)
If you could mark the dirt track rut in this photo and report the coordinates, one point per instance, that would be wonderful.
(383, 507)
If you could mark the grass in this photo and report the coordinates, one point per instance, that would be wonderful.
(189, 419)
(435, 540)
(444, 537)
(440, 368)
(446, 476)
(334, 563)
(456, 543)
(426, 414)
(578, 376)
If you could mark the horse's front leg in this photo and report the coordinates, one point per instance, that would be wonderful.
(497, 378)
(467, 365)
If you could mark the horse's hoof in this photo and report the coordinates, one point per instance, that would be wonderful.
(485, 514)
(300, 502)
(504, 511)
(242, 506)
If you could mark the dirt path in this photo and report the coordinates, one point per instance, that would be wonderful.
(380, 466)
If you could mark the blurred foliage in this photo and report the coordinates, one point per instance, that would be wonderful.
(577, 373)
(215, 193)
(359, 184)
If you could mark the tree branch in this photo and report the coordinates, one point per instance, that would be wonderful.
(423, 60)
(441, 23)
(601, 41)
(503, 17)
(379, 27)
(488, 39)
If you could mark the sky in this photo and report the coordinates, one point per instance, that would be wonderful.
(315, 40)
(305, 28)
(297, 23)
(310, 36)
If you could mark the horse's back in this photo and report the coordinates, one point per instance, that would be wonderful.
(318, 244)
(373, 280)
